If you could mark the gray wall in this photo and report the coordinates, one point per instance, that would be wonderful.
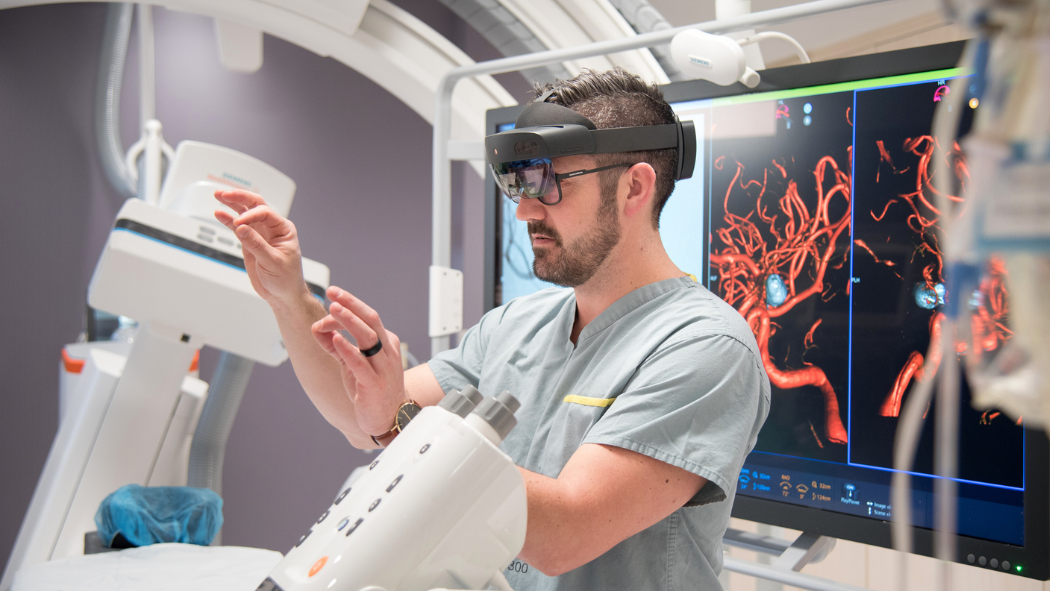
(361, 160)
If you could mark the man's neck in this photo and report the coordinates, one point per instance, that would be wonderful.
(631, 265)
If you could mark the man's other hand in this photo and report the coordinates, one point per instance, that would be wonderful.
(270, 246)
(375, 384)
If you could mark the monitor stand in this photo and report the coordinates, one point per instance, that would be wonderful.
(789, 558)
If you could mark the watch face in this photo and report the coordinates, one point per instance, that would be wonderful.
(406, 413)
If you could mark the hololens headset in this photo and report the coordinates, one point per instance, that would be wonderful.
(521, 157)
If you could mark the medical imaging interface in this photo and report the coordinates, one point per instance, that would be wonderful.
(812, 212)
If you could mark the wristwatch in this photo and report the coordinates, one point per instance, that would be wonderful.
(405, 413)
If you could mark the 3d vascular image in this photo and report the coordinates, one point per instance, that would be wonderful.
(775, 257)
(903, 289)
(988, 304)
(780, 231)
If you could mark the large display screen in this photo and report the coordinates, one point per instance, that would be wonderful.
(812, 211)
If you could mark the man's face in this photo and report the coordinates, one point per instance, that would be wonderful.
(571, 240)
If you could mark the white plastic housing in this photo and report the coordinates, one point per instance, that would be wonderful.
(201, 169)
(446, 301)
(159, 266)
(441, 507)
(240, 46)
(105, 441)
(709, 57)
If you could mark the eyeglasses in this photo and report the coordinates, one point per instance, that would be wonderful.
(536, 179)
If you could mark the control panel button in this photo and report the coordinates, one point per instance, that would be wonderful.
(982, 561)
(316, 568)
(354, 527)
(373, 465)
(971, 558)
(322, 517)
(303, 539)
(424, 449)
(342, 524)
(394, 483)
(1006, 565)
(994, 562)
(373, 506)
(342, 496)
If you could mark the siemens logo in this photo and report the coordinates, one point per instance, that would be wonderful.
(700, 61)
(236, 179)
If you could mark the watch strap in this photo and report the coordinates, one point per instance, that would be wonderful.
(384, 439)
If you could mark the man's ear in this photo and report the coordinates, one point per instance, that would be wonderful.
(639, 182)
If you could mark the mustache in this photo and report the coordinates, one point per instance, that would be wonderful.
(536, 227)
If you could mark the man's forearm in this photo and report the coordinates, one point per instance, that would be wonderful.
(602, 496)
(317, 371)
(554, 522)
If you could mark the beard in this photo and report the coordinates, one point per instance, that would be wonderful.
(574, 264)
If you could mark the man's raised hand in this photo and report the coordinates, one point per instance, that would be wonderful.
(270, 246)
(375, 384)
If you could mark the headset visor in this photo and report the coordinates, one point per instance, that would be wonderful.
(533, 179)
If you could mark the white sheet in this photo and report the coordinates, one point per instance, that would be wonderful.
(161, 567)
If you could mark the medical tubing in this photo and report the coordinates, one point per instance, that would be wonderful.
(906, 441)
(213, 428)
(909, 427)
(946, 450)
(107, 98)
(645, 18)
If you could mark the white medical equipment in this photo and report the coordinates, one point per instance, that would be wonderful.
(1004, 215)
(160, 567)
(130, 420)
(200, 169)
(712, 57)
(441, 507)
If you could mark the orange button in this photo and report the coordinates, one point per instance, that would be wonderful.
(316, 568)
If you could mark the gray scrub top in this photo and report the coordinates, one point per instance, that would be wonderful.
(669, 371)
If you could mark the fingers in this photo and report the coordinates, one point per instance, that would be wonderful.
(253, 243)
(326, 333)
(359, 319)
(364, 335)
(225, 218)
(239, 200)
(265, 221)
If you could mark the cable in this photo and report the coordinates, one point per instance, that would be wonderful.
(107, 99)
(799, 50)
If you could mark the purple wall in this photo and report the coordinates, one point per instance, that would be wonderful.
(361, 160)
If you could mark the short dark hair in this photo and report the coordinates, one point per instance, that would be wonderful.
(617, 98)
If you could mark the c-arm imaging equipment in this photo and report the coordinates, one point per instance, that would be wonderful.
(441, 507)
(181, 276)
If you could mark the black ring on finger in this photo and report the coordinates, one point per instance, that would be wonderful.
(374, 349)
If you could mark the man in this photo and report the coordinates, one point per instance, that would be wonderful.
(641, 391)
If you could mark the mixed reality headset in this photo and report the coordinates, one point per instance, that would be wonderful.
(521, 157)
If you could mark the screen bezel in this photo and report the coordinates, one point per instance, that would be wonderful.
(1033, 555)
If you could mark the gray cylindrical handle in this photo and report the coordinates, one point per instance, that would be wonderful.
(461, 402)
(498, 412)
